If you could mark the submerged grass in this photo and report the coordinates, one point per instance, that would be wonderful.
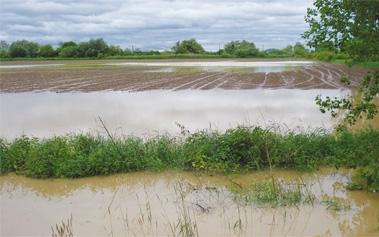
(236, 150)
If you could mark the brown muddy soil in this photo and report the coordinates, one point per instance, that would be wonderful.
(111, 75)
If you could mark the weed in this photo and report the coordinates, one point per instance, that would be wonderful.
(236, 150)
(64, 230)
(335, 204)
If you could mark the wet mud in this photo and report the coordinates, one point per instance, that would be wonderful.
(89, 76)
(151, 204)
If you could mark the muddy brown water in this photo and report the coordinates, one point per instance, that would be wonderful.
(152, 204)
(151, 112)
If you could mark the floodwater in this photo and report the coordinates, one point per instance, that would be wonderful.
(157, 204)
(226, 66)
(155, 112)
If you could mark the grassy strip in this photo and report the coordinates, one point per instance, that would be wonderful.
(236, 150)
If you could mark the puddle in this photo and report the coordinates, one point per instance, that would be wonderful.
(150, 112)
(224, 63)
(151, 204)
(224, 66)
(235, 69)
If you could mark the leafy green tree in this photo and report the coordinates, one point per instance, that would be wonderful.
(241, 49)
(299, 49)
(115, 50)
(30, 48)
(4, 45)
(96, 47)
(67, 44)
(17, 51)
(351, 26)
(68, 52)
(82, 49)
(47, 51)
(187, 46)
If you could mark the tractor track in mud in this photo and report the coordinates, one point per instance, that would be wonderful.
(101, 76)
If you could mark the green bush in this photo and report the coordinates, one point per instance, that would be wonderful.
(237, 149)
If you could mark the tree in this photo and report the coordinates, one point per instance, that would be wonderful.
(4, 45)
(30, 48)
(115, 50)
(68, 52)
(241, 49)
(299, 49)
(17, 51)
(187, 46)
(47, 51)
(352, 27)
(97, 47)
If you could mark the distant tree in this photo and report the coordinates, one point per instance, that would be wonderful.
(96, 47)
(30, 48)
(17, 51)
(187, 46)
(47, 51)
(288, 49)
(4, 45)
(82, 49)
(67, 44)
(69, 52)
(115, 50)
(299, 49)
(4, 48)
(241, 49)
(4, 53)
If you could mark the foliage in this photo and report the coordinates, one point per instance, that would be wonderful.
(47, 51)
(299, 50)
(276, 192)
(354, 108)
(23, 48)
(237, 149)
(352, 27)
(187, 46)
(242, 49)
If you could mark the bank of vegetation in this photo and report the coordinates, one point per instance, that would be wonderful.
(240, 149)
(99, 49)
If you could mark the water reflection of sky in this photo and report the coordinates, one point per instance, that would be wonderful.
(141, 113)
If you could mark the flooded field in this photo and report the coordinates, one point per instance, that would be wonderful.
(155, 112)
(83, 76)
(146, 98)
(150, 204)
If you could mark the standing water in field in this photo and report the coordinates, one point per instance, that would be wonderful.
(170, 203)
(142, 113)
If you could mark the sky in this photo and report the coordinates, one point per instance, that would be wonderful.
(155, 24)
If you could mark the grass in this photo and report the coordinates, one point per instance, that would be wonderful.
(239, 149)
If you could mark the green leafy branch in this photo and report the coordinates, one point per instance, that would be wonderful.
(355, 109)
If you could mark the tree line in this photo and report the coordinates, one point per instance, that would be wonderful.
(98, 48)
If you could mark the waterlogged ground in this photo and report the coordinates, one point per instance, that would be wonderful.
(151, 204)
(87, 76)
(148, 98)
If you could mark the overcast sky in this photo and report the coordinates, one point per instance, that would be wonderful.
(155, 24)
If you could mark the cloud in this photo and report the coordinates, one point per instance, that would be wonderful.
(155, 24)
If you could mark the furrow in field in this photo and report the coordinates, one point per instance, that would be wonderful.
(193, 83)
